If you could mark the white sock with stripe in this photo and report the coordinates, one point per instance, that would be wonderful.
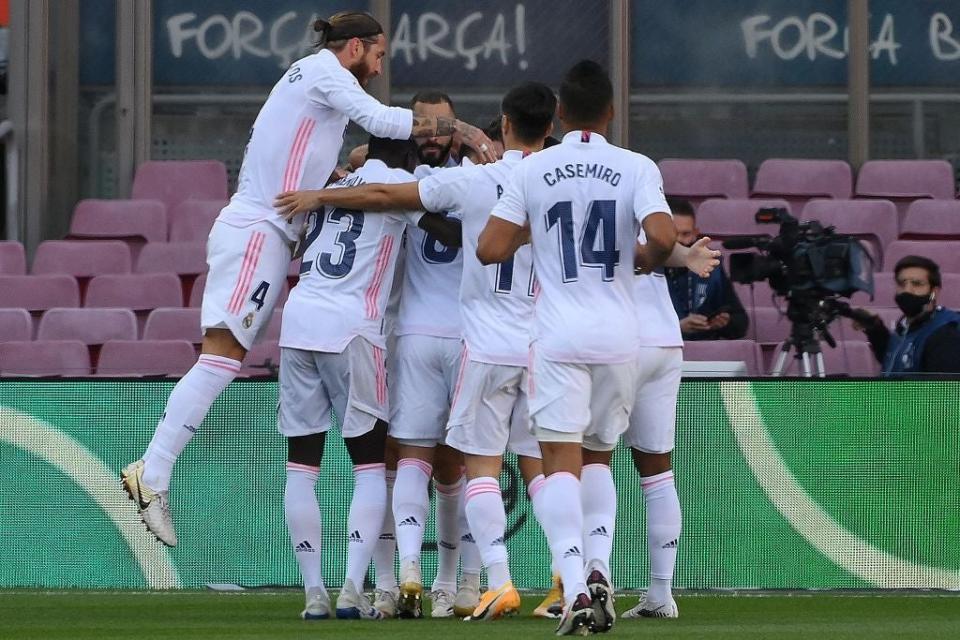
(411, 505)
(599, 496)
(366, 518)
(186, 408)
(563, 524)
(386, 548)
(448, 534)
(536, 499)
(488, 522)
(663, 532)
(303, 522)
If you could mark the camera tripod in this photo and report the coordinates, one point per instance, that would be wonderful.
(808, 326)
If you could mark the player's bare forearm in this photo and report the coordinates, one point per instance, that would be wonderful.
(500, 239)
(430, 126)
(368, 197)
(449, 231)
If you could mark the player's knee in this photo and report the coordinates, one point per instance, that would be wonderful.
(447, 465)
(651, 464)
(306, 450)
(221, 342)
(370, 448)
(530, 467)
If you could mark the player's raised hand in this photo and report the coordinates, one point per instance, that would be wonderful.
(290, 203)
(701, 259)
(477, 140)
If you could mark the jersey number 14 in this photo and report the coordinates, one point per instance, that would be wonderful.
(598, 238)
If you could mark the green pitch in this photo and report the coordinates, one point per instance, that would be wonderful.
(78, 615)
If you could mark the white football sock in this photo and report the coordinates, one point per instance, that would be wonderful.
(663, 532)
(536, 499)
(186, 408)
(563, 524)
(470, 563)
(599, 496)
(488, 522)
(386, 547)
(449, 497)
(303, 521)
(365, 519)
(411, 505)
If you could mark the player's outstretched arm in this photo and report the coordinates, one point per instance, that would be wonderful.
(661, 240)
(448, 230)
(367, 197)
(500, 239)
(428, 126)
(699, 257)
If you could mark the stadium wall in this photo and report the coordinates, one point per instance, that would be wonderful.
(786, 484)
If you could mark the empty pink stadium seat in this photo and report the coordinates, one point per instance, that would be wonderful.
(800, 180)
(720, 218)
(39, 293)
(874, 221)
(696, 180)
(758, 294)
(884, 288)
(950, 291)
(172, 182)
(174, 324)
(139, 292)
(849, 358)
(13, 259)
(931, 219)
(82, 259)
(746, 351)
(90, 326)
(906, 179)
(768, 325)
(15, 324)
(181, 258)
(138, 221)
(44, 358)
(945, 253)
(146, 357)
(262, 360)
(191, 220)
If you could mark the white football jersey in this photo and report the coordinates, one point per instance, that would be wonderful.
(296, 138)
(584, 200)
(346, 271)
(656, 317)
(496, 300)
(431, 281)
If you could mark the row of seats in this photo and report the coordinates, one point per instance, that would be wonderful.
(759, 294)
(120, 358)
(798, 181)
(853, 358)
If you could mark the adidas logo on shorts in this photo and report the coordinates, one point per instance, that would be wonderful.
(304, 547)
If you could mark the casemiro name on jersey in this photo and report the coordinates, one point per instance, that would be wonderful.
(582, 170)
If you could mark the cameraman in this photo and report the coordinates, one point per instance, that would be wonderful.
(927, 337)
(708, 308)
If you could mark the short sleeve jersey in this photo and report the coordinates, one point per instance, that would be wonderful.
(585, 200)
(496, 301)
(296, 138)
(346, 271)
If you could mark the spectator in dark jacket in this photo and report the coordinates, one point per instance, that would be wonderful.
(708, 308)
(927, 337)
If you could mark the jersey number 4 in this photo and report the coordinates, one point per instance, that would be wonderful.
(598, 238)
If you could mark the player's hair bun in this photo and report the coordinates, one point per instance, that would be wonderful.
(321, 26)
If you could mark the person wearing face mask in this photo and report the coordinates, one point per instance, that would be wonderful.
(708, 308)
(927, 338)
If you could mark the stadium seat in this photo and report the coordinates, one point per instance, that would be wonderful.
(82, 259)
(874, 221)
(884, 288)
(135, 221)
(91, 326)
(139, 292)
(849, 358)
(146, 357)
(768, 325)
(44, 358)
(262, 360)
(697, 180)
(903, 181)
(174, 323)
(15, 324)
(13, 259)
(39, 293)
(798, 181)
(181, 258)
(758, 294)
(931, 219)
(172, 182)
(945, 253)
(191, 220)
(746, 351)
(950, 291)
(721, 218)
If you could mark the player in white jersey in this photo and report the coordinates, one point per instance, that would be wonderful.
(489, 413)
(332, 358)
(294, 142)
(584, 201)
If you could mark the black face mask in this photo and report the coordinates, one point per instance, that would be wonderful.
(911, 304)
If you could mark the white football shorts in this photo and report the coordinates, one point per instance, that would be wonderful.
(653, 421)
(576, 402)
(489, 414)
(352, 383)
(424, 375)
(248, 268)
